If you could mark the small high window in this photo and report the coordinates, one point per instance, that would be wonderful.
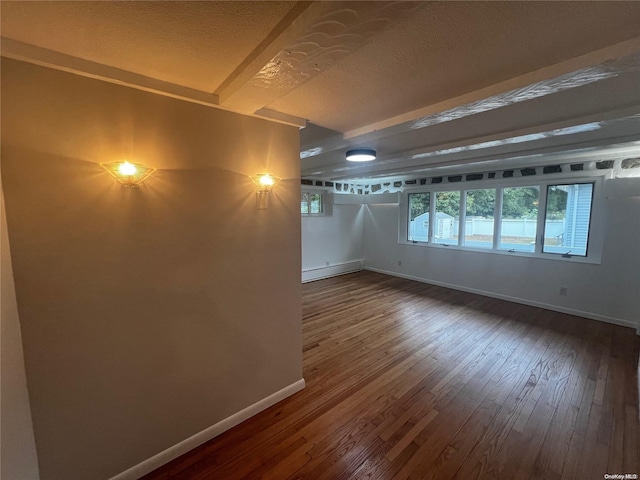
(311, 203)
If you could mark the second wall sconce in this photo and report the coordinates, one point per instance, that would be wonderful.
(127, 173)
(265, 182)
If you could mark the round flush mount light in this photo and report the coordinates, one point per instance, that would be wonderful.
(361, 155)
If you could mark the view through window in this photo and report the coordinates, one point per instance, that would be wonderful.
(445, 228)
(566, 227)
(566, 218)
(311, 203)
(479, 221)
(419, 217)
(519, 219)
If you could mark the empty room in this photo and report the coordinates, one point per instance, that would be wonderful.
(320, 240)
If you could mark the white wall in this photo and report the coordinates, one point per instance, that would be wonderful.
(18, 459)
(336, 238)
(606, 291)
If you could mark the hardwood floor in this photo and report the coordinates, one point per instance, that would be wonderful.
(412, 381)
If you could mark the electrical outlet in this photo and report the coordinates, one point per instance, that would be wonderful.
(563, 291)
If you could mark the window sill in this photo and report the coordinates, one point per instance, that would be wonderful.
(543, 256)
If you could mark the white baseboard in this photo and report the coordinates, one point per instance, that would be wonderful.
(198, 439)
(319, 273)
(547, 306)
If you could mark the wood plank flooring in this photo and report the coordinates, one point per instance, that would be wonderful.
(411, 381)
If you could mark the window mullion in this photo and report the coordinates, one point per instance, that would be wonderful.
(497, 219)
(542, 213)
(432, 215)
(462, 217)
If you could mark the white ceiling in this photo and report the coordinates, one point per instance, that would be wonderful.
(428, 84)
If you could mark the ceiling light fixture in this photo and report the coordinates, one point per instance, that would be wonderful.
(361, 155)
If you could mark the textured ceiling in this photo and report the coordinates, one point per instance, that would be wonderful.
(446, 49)
(408, 78)
(195, 44)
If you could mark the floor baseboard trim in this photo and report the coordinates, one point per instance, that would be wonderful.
(320, 273)
(556, 308)
(207, 434)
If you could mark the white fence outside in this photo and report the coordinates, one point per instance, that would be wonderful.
(511, 227)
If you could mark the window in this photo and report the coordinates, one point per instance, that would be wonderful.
(519, 219)
(548, 219)
(419, 217)
(311, 203)
(479, 221)
(566, 224)
(447, 219)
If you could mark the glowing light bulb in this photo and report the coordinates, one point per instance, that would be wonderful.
(266, 180)
(127, 173)
(127, 168)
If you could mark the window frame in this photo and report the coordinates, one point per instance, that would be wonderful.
(323, 202)
(593, 190)
(497, 216)
(595, 238)
(463, 224)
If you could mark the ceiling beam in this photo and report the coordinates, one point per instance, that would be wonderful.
(321, 35)
(595, 58)
(43, 57)
(419, 158)
(59, 61)
(292, 25)
(281, 117)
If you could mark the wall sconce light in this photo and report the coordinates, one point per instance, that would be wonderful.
(265, 183)
(127, 173)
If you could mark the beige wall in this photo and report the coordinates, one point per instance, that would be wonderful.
(147, 314)
(18, 453)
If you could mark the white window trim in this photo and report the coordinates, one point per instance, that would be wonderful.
(596, 226)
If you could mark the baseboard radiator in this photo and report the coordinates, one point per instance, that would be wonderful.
(319, 273)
